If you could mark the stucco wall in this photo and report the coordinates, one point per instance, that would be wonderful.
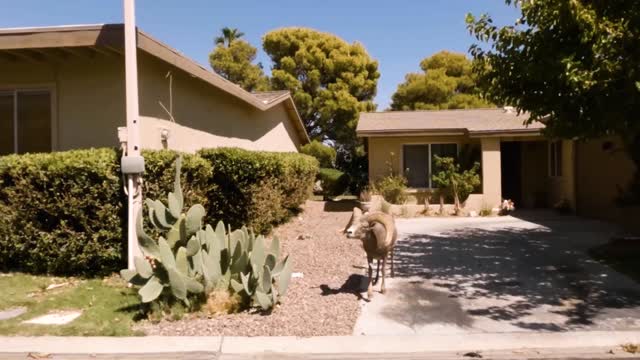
(563, 187)
(89, 105)
(600, 173)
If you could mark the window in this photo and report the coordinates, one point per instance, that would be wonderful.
(25, 121)
(555, 159)
(419, 162)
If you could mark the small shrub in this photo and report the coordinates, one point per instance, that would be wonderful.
(334, 182)
(222, 301)
(326, 155)
(392, 188)
(452, 181)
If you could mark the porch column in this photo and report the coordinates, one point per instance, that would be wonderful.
(491, 173)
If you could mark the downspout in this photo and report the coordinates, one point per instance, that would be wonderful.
(132, 162)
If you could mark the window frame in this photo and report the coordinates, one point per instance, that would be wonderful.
(14, 89)
(555, 158)
(430, 152)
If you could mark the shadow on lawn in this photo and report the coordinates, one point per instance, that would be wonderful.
(545, 263)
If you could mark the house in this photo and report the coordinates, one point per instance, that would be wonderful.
(517, 161)
(64, 88)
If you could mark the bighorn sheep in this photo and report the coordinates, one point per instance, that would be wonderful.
(378, 233)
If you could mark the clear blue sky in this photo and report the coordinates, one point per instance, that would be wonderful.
(397, 33)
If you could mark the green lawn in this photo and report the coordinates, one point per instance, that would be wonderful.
(108, 306)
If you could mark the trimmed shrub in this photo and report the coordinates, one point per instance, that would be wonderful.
(259, 189)
(334, 182)
(62, 212)
(392, 188)
(326, 155)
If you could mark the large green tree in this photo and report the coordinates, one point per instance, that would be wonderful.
(446, 82)
(573, 63)
(234, 58)
(331, 81)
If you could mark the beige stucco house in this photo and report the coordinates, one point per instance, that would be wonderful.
(64, 88)
(517, 161)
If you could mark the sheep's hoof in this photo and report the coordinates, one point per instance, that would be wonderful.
(369, 295)
(383, 291)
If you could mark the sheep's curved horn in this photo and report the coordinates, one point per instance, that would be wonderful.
(386, 220)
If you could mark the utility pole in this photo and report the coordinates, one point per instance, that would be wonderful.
(132, 162)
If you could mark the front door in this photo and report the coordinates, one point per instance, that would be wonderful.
(511, 169)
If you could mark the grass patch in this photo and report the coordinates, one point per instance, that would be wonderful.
(621, 255)
(108, 306)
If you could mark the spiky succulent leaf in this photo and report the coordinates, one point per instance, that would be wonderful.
(160, 215)
(235, 240)
(147, 244)
(270, 261)
(258, 254)
(246, 283)
(178, 286)
(193, 286)
(240, 265)
(266, 280)
(211, 268)
(182, 264)
(177, 188)
(275, 247)
(151, 290)
(210, 237)
(166, 255)
(221, 235)
(236, 286)
(284, 277)
(150, 209)
(197, 261)
(175, 208)
(132, 277)
(193, 221)
(143, 267)
(177, 233)
(263, 300)
(193, 246)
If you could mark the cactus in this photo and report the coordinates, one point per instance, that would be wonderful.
(192, 257)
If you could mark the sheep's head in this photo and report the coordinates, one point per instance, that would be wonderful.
(358, 225)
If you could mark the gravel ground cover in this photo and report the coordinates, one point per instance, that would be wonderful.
(324, 301)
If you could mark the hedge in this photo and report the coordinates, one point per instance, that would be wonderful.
(259, 189)
(334, 182)
(64, 213)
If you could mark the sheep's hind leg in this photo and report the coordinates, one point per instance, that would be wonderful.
(383, 289)
(370, 286)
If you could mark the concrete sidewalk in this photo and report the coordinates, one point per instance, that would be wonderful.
(575, 345)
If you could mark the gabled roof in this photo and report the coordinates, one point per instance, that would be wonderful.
(474, 122)
(110, 37)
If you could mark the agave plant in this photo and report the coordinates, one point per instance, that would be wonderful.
(192, 258)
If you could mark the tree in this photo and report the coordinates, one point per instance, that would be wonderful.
(229, 35)
(451, 180)
(235, 63)
(573, 63)
(330, 80)
(446, 83)
(326, 155)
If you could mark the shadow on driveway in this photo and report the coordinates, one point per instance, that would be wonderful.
(528, 273)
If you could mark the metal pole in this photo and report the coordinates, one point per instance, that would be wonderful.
(134, 187)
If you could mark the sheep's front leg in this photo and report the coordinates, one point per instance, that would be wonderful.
(370, 286)
(393, 273)
(384, 267)
(375, 282)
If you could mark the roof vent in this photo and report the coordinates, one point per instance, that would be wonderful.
(509, 109)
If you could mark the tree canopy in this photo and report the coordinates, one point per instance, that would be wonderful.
(330, 80)
(573, 63)
(446, 82)
(235, 63)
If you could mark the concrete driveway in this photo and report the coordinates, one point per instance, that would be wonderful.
(501, 274)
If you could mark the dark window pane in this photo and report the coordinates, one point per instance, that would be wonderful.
(34, 122)
(416, 165)
(6, 124)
